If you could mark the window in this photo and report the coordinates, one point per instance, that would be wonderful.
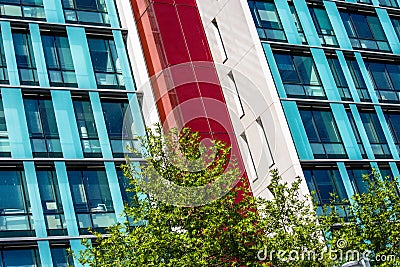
(60, 67)
(92, 199)
(265, 142)
(298, 24)
(87, 129)
(324, 27)
(32, 9)
(299, 76)
(322, 133)
(386, 80)
(106, 63)
(396, 26)
(393, 120)
(356, 135)
(322, 183)
(249, 158)
(358, 80)
(115, 114)
(124, 183)
(220, 43)
(20, 257)
(86, 11)
(5, 150)
(236, 95)
(389, 3)
(51, 202)
(266, 18)
(3, 65)
(356, 178)
(60, 257)
(42, 128)
(25, 59)
(365, 32)
(15, 209)
(340, 79)
(375, 134)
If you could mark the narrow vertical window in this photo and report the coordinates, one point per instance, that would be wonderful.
(251, 167)
(340, 79)
(358, 80)
(60, 67)
(51, 202)
(265, 144)
(87, 129)
(25, 59)
(3, 64)
(5, 150)
(236, 96)
(220, 43)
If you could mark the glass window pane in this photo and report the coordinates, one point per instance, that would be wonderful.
(18, 258)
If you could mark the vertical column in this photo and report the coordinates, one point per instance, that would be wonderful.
(389, 30)
(337, 24)
(274, 70)
(81, 58)
(366, 78)
(362, 132)
(100, 125)
(66, 198)
(115, 190)
(34, 197)
(287, 23)
(39, 55)
(346, 180)
(54, 11)
(307, 23)
(387, 133)
(66, 124)
(298, 131)
(45, 254)
(12, 68)
(349, 140)
(347, 75)
(325, 73)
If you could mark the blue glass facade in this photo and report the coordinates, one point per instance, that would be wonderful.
(335, 67)
(65, 89)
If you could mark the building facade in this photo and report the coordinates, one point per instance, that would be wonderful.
(306, 86)
(66, 85)
(326, 79)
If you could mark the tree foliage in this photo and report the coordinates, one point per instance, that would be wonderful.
(169, 225)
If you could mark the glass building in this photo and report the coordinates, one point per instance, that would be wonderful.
(66, 84)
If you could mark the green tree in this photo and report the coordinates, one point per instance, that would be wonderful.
(222, 227)
(372, 225)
